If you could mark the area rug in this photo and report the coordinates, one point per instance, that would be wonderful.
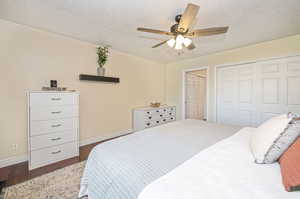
(59, 184)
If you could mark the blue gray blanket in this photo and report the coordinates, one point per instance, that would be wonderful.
(121, 168)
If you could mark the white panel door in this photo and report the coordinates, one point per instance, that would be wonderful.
(236, 98)
(293, 84)
(249, 94)
(195, 97)
(226, 107)
(271, 79)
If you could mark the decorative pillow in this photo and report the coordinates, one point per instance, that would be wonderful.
(282, 143)
(266, 135)
(290, 167)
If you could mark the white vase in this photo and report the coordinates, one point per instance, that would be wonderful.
(100, 71)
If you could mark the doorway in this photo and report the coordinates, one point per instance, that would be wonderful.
(195, 94)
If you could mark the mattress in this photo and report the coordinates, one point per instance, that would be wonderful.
(121, 168)
(225, 170)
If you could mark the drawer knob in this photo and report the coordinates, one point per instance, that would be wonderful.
(55, 139)
(161, 115)
(150, 117)
(157, 111)
(157, 121)
(56, 152)
(56, 112)
(164, 120)
(56, 125)
(55, 99)
(148, 124)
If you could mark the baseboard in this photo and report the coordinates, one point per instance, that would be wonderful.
(103, 137)
(13, 160)
(23, 158)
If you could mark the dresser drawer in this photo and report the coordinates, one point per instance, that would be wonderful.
(55, 112)
(50, 155)
(53, 99)
(50, 126)
(153, 123)
(153, 117)
(53, 139)
(150, 124)
(169, 114)
(171, 109)
(153, 112)
(171, 119)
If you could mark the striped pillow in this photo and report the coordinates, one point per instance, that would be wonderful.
(283, 141)
(290, 167)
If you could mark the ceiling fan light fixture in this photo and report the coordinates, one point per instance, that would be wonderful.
(187, 42)
(179, 39)
(178, 45)
(171, 43)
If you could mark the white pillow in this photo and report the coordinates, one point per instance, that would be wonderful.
(266, 135)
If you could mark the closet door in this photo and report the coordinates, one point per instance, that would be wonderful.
(271, 87)
(236, 97)
(293, 84)
(250, 94)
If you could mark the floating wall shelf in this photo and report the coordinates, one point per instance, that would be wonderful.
(99, 78)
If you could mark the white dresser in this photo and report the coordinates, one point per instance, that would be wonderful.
(53, 127)
(147, 117)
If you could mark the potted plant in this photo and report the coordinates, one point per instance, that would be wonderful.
(102, 53)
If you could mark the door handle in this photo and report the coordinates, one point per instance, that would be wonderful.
(56, 152)
(55, 139)
(56, 99)
(56, 125)
(56, 112)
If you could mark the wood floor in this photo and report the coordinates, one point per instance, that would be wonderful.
(18, 173)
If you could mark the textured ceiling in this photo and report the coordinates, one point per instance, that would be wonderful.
(114, 22)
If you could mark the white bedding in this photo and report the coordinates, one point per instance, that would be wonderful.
(121, 168)
(225, 170)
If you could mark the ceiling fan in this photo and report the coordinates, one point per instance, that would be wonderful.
(181, 32)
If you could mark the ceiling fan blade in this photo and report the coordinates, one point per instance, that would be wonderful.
(154, 31)
(159, 44)
(191, 46)
(188, 17)
(208, 31)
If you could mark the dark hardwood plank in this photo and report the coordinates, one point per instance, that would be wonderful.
(18, 173)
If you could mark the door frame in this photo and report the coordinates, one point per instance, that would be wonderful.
(184, 71)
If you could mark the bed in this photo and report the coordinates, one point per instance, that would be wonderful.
(225, 170)
(122, 168)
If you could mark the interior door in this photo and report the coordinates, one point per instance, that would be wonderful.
(195, 97)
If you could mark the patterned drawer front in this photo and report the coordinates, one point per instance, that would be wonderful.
(153, 112)
(170, 119)
(150, 117)
(155, 116)
(149, 124)
(53, 99)
(54, 112)
(53, 139)
(157, 122)
(50, 126)
(53, 154)
(164, 120)
(171, 109)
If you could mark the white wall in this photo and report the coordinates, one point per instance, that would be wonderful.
(280, 47)
(29, 58)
